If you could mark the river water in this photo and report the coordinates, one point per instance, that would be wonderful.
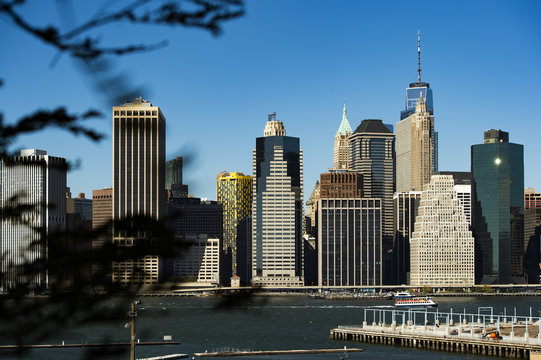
(266, 323)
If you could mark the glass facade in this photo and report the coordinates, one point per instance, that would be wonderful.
(412, 97)
(498, 210)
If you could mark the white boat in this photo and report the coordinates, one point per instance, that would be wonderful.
(415, 302)
(402, 295)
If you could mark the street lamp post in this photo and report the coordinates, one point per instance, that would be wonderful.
(133, 314)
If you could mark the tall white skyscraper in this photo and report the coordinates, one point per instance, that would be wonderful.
(34, 178)
(441, 246)
(277, 210)
(138, 179)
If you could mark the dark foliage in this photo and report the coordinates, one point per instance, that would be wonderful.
(73, 296)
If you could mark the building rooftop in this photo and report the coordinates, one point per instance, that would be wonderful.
(372, 126)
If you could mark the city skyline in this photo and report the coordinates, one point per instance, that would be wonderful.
(252, 69)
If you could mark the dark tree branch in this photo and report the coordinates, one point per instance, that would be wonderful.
(205, 14)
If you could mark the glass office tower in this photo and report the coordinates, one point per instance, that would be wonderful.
(498, 207)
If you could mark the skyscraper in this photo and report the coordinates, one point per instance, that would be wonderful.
(32, 178)
(349, 233)
(277, 210)
(341, 145)
(498, 207)
(416, 138)
(442, 247)
(234, 192)
(138, 179)
(173, 171)
(415, 149)
(372, 154)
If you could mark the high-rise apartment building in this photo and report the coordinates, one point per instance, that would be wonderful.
(341, 145)
(234, 192)
(32, 178)
(277, 210)
(442, 246)
(349, 233)
(532, 199)
(138, 180)
(372, 154)
(498, 207)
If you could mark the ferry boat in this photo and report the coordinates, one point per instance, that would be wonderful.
(415, 302)
(402, 295)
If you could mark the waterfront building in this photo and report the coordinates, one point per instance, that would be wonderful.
(341, 145)
(193, 221)
(405, 206)
(32, 178)
(277, 210)
(441, 246)
(532, 246)
(234, 192)
(532, 199)
(349, 233)
(372, 154)
(200, 263)
(498, 208)
(138, 180)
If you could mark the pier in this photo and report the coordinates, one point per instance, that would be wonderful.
(81, 345)
(512, 336)
(230, 352)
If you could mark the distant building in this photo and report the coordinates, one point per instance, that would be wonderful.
(462, 181)
(442, 246)
(234, 192)
(498, 208)
(138, 180)
(372, 154)
(32, 178)
(416, 138)
(532, 199)
(311, 211)
(197, 223)
(532, 246)
(349, 233)
(102, 213)
(200, 263)
(341, 145)
(406, 205)
(277, 210)
(415, 146)
(173, 179)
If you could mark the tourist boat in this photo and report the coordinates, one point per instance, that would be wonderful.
(402, 295)
(415, 302)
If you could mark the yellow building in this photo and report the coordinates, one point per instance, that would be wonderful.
(234, 192)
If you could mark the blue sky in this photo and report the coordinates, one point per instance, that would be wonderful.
(302, 59)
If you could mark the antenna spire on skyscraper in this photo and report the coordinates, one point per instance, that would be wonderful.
(419, 55)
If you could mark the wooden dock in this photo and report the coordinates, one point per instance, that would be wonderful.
(276, 352)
